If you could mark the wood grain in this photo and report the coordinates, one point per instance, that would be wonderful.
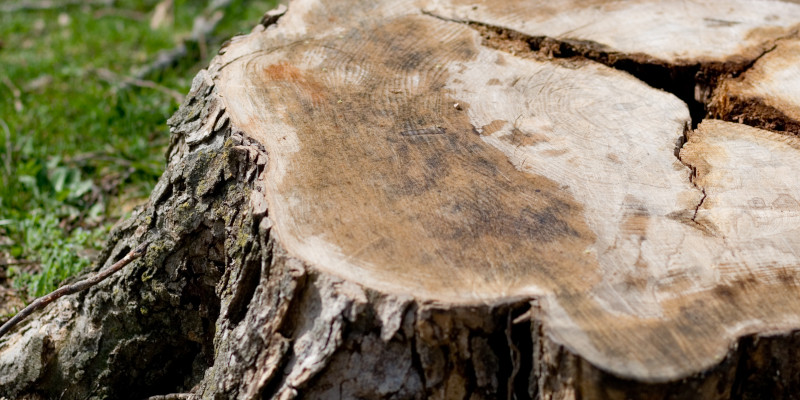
(407, 157)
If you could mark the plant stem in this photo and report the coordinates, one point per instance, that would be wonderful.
(41, 302)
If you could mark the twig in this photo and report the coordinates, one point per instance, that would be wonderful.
(74, 288)
(8, 150)
(111, 77)
(15, 92)
(84, 158)
(202, 29)
(121, 13)
(164, 59)
(17, 262)
(50, 4)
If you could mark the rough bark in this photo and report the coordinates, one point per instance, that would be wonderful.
(451, 200)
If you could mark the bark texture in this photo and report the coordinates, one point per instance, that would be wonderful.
(548, 226)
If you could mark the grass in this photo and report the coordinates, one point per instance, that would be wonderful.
(77, 151)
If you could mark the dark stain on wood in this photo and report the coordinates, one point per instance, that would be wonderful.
(433, 205)
(492, 127)
(520, 138)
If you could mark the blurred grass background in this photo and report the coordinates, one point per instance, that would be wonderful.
(82, 121)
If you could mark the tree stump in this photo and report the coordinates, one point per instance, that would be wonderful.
(460, 199)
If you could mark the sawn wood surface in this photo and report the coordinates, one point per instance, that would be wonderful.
(410, 156)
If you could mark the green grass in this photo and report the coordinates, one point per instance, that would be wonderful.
(80, 150)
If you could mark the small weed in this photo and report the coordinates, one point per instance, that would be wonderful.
(59, 254)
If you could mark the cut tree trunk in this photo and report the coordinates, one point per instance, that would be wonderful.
(460, 200)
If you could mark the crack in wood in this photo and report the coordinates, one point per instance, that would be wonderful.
(674, 77)
(692, 82)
